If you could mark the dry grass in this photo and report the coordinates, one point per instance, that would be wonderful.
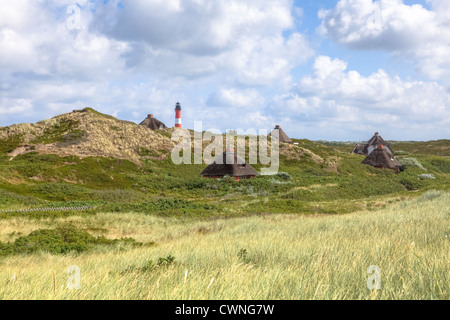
(105, 136)
(288, 257)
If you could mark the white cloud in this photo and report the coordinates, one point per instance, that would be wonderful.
(143, 56)
(241, 40)
(263, 61)
(233, 97)
(230, 63)
(196, 27)
(36, 39)
(389, 25)
(408, 31)
(16, 106)
(353, 104)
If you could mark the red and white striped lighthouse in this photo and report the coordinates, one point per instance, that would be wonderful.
(178, 115)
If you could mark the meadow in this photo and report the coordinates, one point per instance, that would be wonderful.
(156, 230)
(313, 178)
(276, 256)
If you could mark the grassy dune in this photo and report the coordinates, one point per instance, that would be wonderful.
(309, 232)
(256, 257)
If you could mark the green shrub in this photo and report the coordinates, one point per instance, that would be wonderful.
(98, 113)
(10, 144)
(61, 240)
(117, 195)
(243, 255)
(438, 164)
(304, 195)
(411, 162)
(426, 176)
(61, 191)
(144, 152)
(167, 261)
(59, 132)
(284, 176)
(161, 205)
(411, 183)
(74, 136)
(10, 198)
(162, 262)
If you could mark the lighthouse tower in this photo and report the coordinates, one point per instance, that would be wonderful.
(178, 115)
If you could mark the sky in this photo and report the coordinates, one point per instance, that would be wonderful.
(323, 70)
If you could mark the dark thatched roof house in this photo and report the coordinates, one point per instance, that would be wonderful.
(382, 159)
(374, 142)
(153, 123)
(283, 136)
(360, 148)
(229, 164)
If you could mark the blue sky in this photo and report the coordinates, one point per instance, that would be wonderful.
(333, 70)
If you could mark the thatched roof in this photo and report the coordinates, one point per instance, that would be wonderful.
(229, 163)
(283, 136)
(360, 148)
(153, 123)
(380, 158)
(377, 140)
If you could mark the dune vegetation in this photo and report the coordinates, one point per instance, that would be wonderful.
(85, 189)
(282, 256)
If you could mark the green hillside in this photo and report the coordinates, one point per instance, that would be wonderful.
(313, 178)
(87, 189)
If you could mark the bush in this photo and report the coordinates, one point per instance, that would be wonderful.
(243, 255)
(430, 195)
(411, 183)
(117, 195)
(426, 176)
(162, 262)
(161, 205)
(9, 198)
(411, 162)
(284, 176)
(58, 241)
(75, 136)
(144, 152)
(10, 144)
(61, 191)
(56, 133)
(438, 164)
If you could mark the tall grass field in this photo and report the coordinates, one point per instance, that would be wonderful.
(270, 256)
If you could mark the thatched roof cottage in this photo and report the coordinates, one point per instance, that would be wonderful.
(153, 123)
(229, 164)
(360, 148)
(283, 136)
(374, 142)
(382, 159)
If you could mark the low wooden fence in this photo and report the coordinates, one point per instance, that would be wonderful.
(48, 209)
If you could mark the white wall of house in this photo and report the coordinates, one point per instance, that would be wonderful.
(371, 148)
